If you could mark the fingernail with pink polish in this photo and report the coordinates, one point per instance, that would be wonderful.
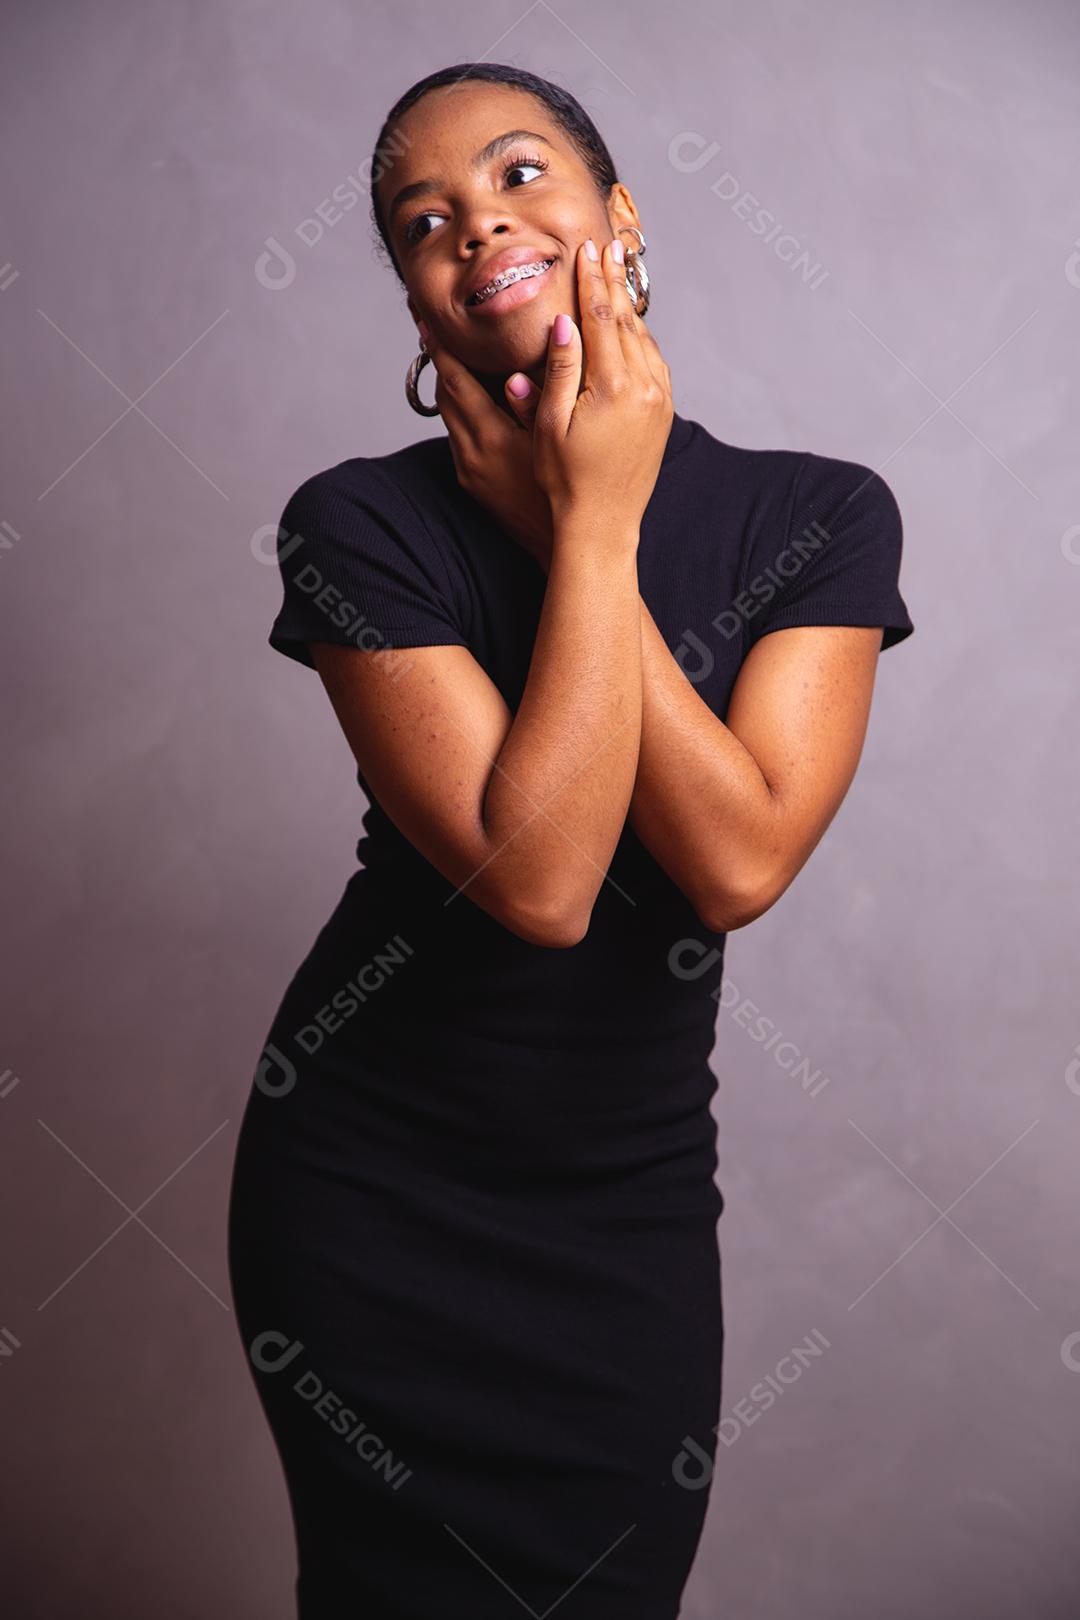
(519, 386)
(563, 329)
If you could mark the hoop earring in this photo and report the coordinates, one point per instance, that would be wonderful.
(412, 378)
(637, 277)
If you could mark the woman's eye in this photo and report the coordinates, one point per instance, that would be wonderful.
(412, 234)
(515, 166)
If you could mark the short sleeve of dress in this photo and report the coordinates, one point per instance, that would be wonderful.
(838, 561)
(360, 568)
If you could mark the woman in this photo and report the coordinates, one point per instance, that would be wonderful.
(606, 680)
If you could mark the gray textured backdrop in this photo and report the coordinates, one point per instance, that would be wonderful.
(179, 808)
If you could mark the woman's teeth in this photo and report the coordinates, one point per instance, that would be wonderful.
(516, 272)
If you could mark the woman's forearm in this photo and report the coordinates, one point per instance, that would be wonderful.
(706, 835)
(706, 831)
(560, 790)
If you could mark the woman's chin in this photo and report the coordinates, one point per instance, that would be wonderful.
(502, 358)
(524, 347)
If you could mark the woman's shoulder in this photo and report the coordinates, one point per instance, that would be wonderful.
(390, 506)
(361, 562)
(397, 475)
(783, 499)
(820, 536)
(799, 473)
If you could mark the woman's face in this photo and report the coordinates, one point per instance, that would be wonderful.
(530, 197)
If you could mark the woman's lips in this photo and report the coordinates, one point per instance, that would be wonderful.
(518, 292)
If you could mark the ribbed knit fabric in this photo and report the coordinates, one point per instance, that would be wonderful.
(472, 1225)
(388, 551)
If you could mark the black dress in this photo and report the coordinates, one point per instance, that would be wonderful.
(472, 1222)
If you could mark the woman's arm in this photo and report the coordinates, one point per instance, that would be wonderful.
(732, 811)
(556, 802)
(525, 813)
(521, 813)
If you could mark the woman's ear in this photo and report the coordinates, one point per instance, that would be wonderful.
(621, 209)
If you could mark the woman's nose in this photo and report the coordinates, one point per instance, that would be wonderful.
(483, 225)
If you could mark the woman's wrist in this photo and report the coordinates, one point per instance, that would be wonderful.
(586, 526)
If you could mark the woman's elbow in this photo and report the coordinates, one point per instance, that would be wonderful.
(557, 926)
(724, 911)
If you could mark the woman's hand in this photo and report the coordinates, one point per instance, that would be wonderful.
(598, 452)
(493, 452)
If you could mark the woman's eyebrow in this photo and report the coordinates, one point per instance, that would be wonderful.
(420, 188)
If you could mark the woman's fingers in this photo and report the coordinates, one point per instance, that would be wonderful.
(601, 306)
(657, 364)
(612, 330)
(627, 320)
(522, 397)
(562, 378)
